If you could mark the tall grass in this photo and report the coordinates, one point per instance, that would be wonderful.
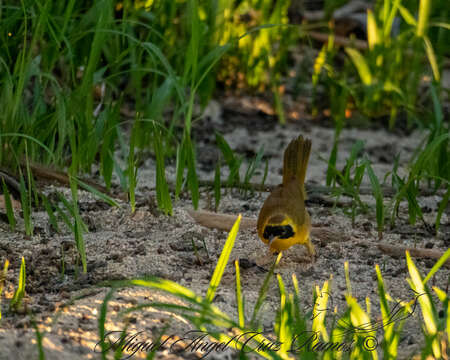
(379, 83)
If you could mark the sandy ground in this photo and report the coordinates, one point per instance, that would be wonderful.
(121, 245)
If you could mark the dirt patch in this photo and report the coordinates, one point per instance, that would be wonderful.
(121, 245)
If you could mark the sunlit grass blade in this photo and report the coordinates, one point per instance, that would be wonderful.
(284, 328)
(443, 297)
(361, 65)
(299, 321)
(16, 301)
(373, 36)
(2, 283)
(424, 14)
(391, 335)
(442, 260)
(320, 310)
(347, 278)
(318, 64)
(362, 328)
(407, 16)
(432, 58)
(239, 297)
(426, 305)
(223, 260)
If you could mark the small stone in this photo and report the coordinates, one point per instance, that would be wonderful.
(246, 263)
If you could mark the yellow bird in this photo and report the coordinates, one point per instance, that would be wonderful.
(283, 220)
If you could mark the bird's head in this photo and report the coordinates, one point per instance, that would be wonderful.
(277, 232)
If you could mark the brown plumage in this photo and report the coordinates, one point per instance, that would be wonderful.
(283, 220)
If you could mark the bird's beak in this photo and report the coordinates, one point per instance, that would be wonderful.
(271, 240)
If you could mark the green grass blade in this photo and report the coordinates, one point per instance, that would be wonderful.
(101, 323)
(266, 171)
(8, 206)
(162, 189)
(39, 340)
(26, 209)
(331, 169)
(230, 158)
(378, 195)
(253, 166)
(109, 200)
(263, 293)
(79, 226)
(217, 186)
(442, 207)
(50, 213)
(132, 170)
(192, 179)
(28, 137)
(180, 166)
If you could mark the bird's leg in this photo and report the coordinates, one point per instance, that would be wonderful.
(310, 248)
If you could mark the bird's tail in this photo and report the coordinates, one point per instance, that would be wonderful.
(295, 162)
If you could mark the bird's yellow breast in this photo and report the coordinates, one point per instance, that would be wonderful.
(301, 235)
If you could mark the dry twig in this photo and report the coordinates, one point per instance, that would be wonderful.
(225, 222)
